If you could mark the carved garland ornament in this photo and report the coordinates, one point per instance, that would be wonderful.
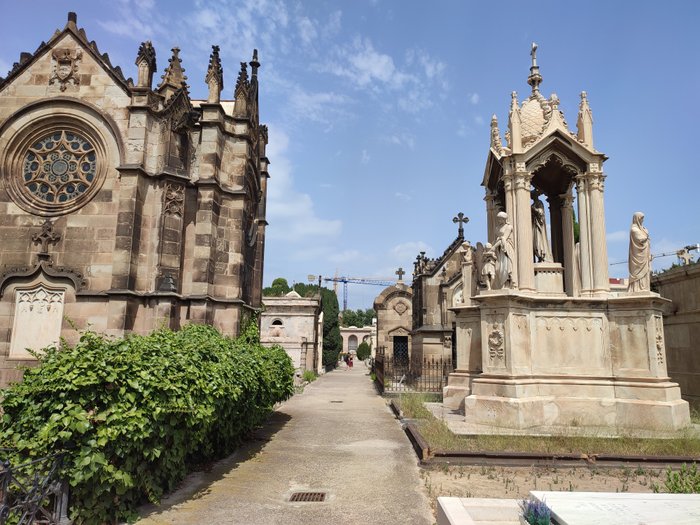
(659, 340)
(495, 342)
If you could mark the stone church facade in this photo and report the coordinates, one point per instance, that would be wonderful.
(125, 206)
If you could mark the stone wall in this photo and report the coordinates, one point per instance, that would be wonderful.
(682, 326)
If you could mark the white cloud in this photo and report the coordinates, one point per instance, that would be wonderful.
(307, 30)
(474, 98)
(291, 213)
(402, 196)
(402, 139)
(323, 107)
(365, 157)
(479, 120)
(462, 130)
(345, 257)
(333, 25)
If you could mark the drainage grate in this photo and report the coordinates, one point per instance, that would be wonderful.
(336, 401)
(308, 497)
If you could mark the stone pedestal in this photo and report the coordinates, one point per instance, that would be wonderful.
(549, 278)
(592, 363)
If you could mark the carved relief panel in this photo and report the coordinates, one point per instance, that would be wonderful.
(37, 320)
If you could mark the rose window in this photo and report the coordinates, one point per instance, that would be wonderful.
(59, 168)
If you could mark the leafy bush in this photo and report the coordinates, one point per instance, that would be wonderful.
(135, 413)
(309, 375)
(684, 481)
(363, 351)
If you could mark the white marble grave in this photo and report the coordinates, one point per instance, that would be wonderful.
(594, 508)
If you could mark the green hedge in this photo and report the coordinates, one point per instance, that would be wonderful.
(135, 413)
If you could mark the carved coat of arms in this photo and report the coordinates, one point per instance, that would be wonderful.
(65, 67)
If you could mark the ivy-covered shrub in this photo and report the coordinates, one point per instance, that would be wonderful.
(135, 413)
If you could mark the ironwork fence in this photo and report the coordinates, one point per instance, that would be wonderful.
(32, 494)
(397, 375)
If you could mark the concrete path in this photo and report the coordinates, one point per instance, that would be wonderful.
(338, 437)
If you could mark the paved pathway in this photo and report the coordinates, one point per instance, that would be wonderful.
(338, 436)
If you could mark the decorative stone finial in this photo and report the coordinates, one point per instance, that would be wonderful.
(254, 64)
(72, 20)
(215, 76)
(146, 63)
(535, 79)
(496, 143)
(242, 80)
(514, 125)
(584, 123)
(174, 76)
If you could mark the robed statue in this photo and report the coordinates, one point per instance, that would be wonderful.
(639, 259)
(504, 249)
(540, 241)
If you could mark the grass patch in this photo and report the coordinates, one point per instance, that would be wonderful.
(440, 437)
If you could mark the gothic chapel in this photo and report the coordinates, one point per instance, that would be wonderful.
(125, 207)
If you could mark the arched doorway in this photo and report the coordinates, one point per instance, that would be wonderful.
(352, 344)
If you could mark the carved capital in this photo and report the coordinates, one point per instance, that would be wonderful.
(596, 181)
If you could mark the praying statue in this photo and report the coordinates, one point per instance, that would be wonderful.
(504, 248)
(540, 242)
(639, 259)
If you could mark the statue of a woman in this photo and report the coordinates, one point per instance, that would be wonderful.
(540, 242)
(504, 248)
(639, 259)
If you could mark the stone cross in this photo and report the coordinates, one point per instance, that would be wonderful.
(400, 273)
(684, 256)
(46, 236)
(462, 220)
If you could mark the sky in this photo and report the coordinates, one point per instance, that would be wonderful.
(379, 110)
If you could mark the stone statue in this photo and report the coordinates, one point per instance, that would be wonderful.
(488, 267)
(639, 259)
(540, 240)
(504, 248)
(467, 253)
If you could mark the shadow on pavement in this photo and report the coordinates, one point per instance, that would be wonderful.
(197, 484)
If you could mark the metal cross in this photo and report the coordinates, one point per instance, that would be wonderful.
(46, 236)
(462, 220)
(400, 273)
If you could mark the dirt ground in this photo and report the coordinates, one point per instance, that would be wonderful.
(517, 482)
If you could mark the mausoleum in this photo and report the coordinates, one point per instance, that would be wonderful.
(125, 206)
(543, 341)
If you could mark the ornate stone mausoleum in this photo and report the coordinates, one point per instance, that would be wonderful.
(124, 206)
(543, 341)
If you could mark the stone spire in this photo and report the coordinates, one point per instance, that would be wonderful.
(146, 64)
(215, 76)
(174, 76)
(241, 91)
(514, 125)
(585, 122)
(254, 65)
(535, 79)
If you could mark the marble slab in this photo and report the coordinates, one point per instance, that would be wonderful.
(594, 508)
(477, 511)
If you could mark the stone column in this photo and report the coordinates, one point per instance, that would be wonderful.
(555, 234)
(567, 226)
(585, 235)
(522, 225)
(599, 249)
(491, 211)
(511, 207)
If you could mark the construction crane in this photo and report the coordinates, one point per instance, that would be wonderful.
(683, 254)
(357, 280)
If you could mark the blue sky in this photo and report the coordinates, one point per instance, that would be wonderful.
(379, 110)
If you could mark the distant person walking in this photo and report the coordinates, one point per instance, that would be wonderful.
(350, 362)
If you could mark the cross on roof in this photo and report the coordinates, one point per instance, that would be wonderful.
(684, 256)
(46, 236)
(400, 273)
(462, 220)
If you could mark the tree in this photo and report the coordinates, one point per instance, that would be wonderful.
(358, 318)
(332, 342)
(279, 287)
(363, 351)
